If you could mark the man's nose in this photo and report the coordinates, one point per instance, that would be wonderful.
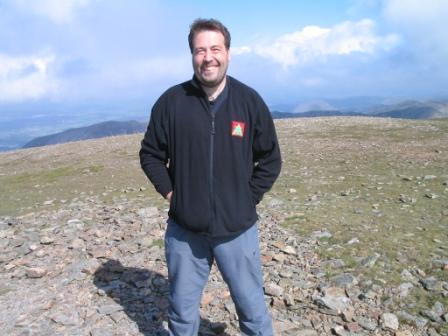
(208, 55)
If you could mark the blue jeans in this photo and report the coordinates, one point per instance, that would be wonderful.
(190, 256)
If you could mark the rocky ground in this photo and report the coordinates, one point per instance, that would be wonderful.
(353, 236)
(96, 269)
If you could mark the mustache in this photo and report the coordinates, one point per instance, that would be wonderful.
(206, 64)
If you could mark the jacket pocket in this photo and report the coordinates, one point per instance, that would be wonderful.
(252, 200)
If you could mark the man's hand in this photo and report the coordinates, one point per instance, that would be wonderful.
(168, 196)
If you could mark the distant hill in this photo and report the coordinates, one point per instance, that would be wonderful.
(313, 114)
(412, 110)
(405, 110)
(100, 130)
(112, 128)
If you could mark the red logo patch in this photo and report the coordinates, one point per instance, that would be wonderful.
(238, 128)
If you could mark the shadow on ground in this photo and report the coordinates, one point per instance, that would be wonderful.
(143, 296)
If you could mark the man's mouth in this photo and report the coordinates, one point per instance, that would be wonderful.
(209, 68)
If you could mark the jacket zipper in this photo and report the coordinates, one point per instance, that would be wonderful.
(211, 112)
(212, 147)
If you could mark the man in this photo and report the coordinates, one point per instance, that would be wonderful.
(212, 151)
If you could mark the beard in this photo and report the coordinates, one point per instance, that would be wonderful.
(212, 81)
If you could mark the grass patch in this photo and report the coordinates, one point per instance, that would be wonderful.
(379, 186)
(42, 177)
(158, 242)
(26, 191)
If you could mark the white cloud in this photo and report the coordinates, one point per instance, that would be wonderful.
(429, 12)
(26, 77)
(313, 43)
(241, 50)
(127, 77)
(140, 71)
(423, 21)
(156, 68)
(58, 11)
(423, 27)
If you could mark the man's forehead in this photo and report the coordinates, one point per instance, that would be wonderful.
(209, 39)
(211, 33)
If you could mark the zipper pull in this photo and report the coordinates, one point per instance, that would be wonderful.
(213, 126)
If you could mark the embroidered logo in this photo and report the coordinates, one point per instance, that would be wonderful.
(238, 128)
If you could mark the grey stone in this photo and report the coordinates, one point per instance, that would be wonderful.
(420, 322)
(149, 212)
(321, 235)
(77, 243)
(306, 332)
(289, 250)
(275, 202)
(431, 284)
(337, 304)
(344, 280)
(406, 275)
(36, 272)
(146, 242)
(47, 240)
(407, 199)
(367, 323)
(433, 332)
(438, 308)
(273, 289)
(432, 315)
(67, 318)
(101, 332)
(442, 263)
(90, 266)
(389, 321)
(109, 309)
(370, 261)
(286, 273)
(353, 241)
(230, 307)
(75, 224)
(335, 263)
(404, 289)
(339, 330)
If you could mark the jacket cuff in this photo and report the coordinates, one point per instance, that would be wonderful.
(165, 189)
(257, 197)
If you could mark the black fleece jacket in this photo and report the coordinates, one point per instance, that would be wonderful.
(218, 164)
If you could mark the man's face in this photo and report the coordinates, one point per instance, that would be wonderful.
(210, 58)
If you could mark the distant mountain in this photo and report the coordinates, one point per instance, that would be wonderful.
(314, 105)
(404, 110)
(361, 103)
(318, 108)
(313, 114)
(349, 104)
(100, 130)
(412, 110)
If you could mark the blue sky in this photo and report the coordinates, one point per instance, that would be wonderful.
(80, 51)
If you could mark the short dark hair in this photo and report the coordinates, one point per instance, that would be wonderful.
(199, 25)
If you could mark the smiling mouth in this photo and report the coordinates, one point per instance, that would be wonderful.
(209, 68)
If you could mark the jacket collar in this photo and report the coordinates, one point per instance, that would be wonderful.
(197, 85)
